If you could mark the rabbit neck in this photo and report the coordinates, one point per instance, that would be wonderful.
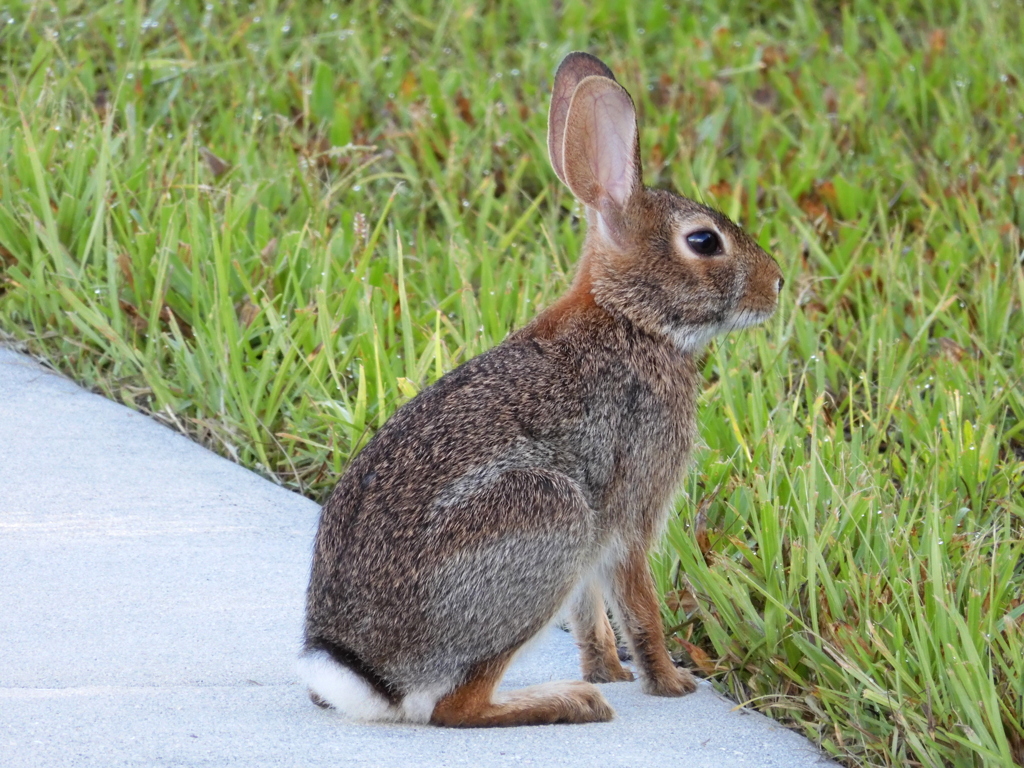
(575, 303)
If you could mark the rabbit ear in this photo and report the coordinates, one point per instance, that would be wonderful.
(573, 69)
(600, 149)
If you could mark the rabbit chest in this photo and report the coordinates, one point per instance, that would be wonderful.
(635, 430)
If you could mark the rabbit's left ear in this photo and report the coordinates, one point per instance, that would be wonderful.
(571, 72)
(601, 149)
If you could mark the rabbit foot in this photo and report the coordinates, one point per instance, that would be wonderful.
(608, 673)
(677, 682)
(565, 702)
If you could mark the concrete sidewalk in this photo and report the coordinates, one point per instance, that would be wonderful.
(151, 600)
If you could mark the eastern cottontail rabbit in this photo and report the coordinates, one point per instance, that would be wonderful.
(536, 476)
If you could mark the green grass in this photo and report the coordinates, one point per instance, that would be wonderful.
(269, 224)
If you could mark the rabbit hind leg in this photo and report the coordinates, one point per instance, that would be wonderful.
(474, 704)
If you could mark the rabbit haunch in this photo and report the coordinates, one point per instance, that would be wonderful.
(534, 478)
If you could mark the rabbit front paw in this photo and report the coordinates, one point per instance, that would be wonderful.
(674, 682)
(608, 673)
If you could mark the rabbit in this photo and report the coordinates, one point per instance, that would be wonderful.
(531, 482)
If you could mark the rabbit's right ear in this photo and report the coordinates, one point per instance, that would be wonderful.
(601, 151)
(571, 72)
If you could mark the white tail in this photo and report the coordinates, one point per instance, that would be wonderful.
(351, 695)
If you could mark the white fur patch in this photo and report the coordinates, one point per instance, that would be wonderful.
(352, 696)
(692, 339)
(342, 688)
(418, 706)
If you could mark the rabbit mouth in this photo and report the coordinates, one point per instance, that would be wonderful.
(691, 338)
(744, 318)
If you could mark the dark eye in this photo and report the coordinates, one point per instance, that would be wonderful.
(705, 242)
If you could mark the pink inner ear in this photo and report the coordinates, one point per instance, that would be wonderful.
(574, 68)
(600, 144)
(613, 145)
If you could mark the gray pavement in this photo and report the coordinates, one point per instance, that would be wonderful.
(151, 608)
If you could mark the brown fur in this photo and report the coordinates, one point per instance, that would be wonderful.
(474, 703)
(578, 300)
(640, 617)
(538, 475)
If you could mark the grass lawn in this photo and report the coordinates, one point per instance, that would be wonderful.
(271, 223)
